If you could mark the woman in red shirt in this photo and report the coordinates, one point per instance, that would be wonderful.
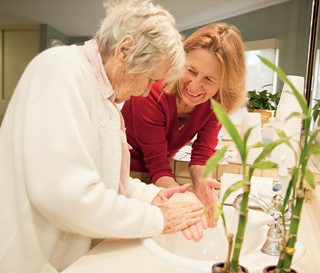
(158, 125)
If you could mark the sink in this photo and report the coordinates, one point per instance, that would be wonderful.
(199, 256)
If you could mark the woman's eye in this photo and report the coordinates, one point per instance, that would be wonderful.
(209, 79)
(192, 72)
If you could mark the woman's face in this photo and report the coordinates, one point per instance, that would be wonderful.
(128, 85)
(201, 80)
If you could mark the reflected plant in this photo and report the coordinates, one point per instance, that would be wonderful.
(262, 99)
(316, 109)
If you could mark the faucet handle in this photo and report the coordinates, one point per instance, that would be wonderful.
(277, 200)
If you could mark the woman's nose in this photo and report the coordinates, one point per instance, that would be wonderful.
(195, 83)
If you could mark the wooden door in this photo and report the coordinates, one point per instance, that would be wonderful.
(17, 48)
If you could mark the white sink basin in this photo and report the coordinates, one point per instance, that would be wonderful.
(200, 256)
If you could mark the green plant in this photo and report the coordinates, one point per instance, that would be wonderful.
(301, 177)
(316, 109)
(262, 99)
(235, 243)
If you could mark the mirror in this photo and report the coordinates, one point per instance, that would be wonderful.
(313, 65)
(287, 22)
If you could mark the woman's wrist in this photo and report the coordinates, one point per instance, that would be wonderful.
(166, 182)
(196, 172)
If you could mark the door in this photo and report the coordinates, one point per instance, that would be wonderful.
(17, 48)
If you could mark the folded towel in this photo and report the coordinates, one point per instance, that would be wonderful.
(260, 186)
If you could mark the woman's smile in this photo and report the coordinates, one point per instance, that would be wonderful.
(193, 94)
(201, 79)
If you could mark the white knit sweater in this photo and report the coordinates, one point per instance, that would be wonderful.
(60, 163)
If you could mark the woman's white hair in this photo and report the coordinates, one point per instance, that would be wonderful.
(154, 31)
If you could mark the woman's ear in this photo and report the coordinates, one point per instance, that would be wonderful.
(125, 45)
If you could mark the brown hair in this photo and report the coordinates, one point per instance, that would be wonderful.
(225, 42)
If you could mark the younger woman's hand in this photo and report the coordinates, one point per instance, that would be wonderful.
(207, 194)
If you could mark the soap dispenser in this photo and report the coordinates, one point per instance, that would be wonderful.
(268, 130)
(283, 176)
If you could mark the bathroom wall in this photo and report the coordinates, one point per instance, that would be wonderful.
(288, 22)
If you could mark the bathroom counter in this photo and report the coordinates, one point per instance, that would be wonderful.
(180, 165)
(122, 256)
(130, 256)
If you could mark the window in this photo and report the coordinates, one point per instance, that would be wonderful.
(258, 74)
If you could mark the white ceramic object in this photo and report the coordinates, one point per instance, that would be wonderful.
(288, 104)
(200, 256)
(252, 120)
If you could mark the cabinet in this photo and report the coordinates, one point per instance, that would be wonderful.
(18, 46)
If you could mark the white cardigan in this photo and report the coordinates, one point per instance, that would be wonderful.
(60, 161)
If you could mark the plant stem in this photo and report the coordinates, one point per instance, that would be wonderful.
(241, 228)
(288, 250)
(230, 244)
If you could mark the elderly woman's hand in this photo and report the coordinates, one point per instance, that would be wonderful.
(179, 215)
(166, 193)
(182, 211)
(195, 231)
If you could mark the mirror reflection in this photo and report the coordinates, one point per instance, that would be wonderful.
(282, 29)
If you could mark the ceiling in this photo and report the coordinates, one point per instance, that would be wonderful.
(82, 17)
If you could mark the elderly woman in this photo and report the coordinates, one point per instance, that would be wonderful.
(64, 160)
(159, 125)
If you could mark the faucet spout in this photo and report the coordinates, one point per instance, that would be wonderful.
(275, 233)
(259, 202)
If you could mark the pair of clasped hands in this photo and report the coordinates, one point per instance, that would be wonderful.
(184, 211)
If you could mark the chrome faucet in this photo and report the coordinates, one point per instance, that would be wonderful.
(275, 232)
(261, 204)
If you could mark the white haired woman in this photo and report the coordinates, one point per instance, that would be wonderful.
(64, 160)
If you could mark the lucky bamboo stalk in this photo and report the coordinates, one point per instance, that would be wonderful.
(232, 263)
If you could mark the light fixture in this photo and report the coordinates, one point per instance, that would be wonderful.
(55, 42)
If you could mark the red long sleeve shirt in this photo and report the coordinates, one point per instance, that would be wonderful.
(153, 132)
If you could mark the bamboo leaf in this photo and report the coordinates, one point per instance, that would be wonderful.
(309, 178)
(269, 148)
(256, 145)
(314, 149)
(214, 160)
(282, 135)
(266, 164)
(247, 135)
(313, 136)
(295, 115)
(315, 113)
(228, 125)
(234, 187)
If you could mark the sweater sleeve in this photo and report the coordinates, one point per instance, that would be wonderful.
(149, 118)
(207, 139)
(137, 189)
(63, 182)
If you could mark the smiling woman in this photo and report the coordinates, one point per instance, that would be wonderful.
(172, 115)
(201, 80)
